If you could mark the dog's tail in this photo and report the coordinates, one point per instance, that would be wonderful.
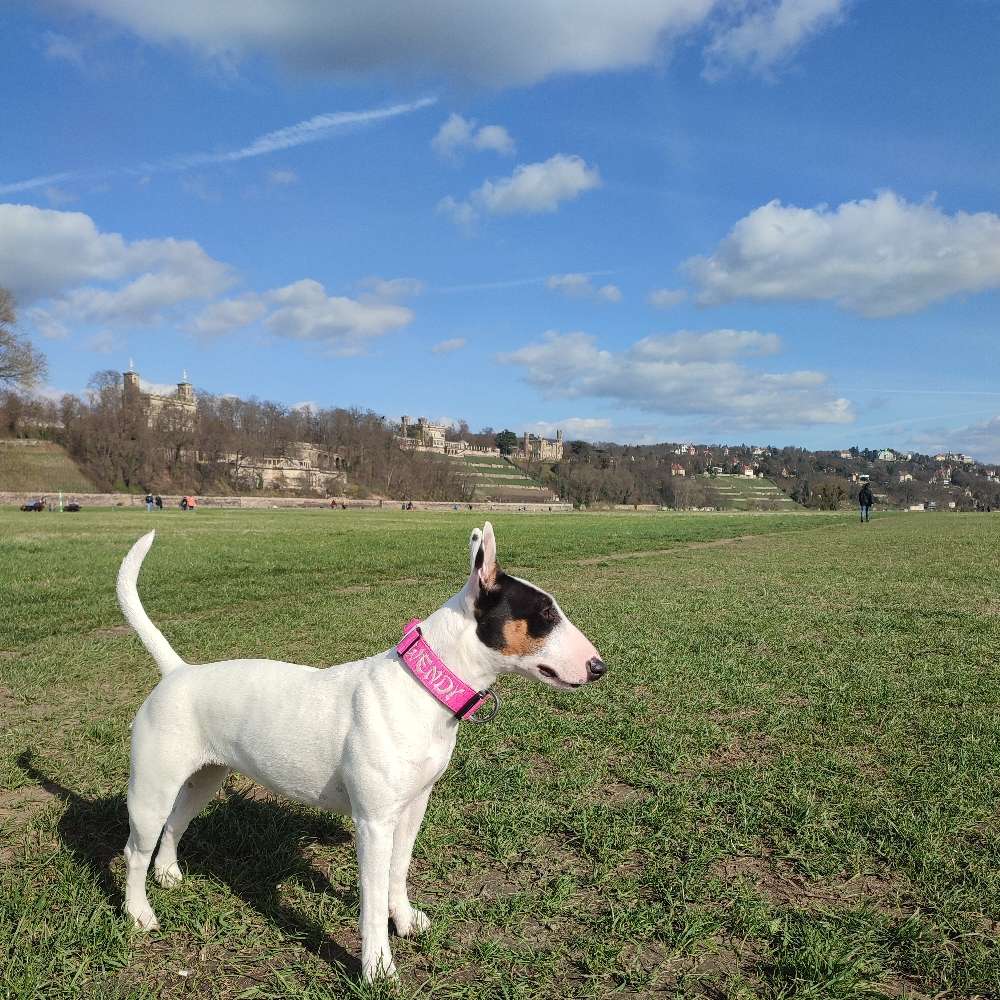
(128, 600)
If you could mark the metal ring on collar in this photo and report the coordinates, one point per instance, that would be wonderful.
(477, 716)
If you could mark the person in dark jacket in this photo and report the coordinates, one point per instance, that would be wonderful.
(865, 501)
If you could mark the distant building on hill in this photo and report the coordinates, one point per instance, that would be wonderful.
(426, 436)
(539, 449)
(151, 405)
(304, 466)
(887, 455)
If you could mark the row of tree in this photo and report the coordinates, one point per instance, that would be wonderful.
(120, 449)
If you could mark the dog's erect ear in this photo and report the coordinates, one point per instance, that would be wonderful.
(483, 555)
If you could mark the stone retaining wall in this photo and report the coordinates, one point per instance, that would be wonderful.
(267, 503)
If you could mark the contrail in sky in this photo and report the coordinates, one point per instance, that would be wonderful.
(486, 286)
(311, 130)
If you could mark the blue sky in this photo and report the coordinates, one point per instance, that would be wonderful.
(719, 220)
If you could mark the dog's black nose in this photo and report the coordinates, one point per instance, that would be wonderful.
(596, 667)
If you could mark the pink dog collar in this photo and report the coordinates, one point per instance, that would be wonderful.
(430, 670)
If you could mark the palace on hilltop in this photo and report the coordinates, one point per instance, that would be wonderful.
(151, 405)
(426, 436)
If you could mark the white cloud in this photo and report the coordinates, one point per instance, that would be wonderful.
(768, 35)
(157, 388)
(882, 256)
(538, 187)
(48, 392)
(684, 373)
(228, 315)
(666, 298)
(458, 134)
(532, 188)
(582, 428)
(518, 42)
(495, 138)
(982, 440)
(282, 178)
(303, 311)
(66, 270)
(579, 286)
(447, 346)
(45, 324)
(460, 212)
(573, 285)
(104, 342)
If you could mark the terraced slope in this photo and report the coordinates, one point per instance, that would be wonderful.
(743, 493)
(40, 466)
(498, 479)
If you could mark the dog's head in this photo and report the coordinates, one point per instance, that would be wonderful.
(522, 627)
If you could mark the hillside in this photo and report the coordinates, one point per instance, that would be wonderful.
(39, 466)
(744, 493)
(497, 479)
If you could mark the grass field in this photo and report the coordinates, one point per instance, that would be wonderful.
(786, 786)
(41, 466)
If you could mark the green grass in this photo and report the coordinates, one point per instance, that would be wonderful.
(43, 468)
(786, 786)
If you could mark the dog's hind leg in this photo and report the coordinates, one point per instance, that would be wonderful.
(407, 919)
(374, 844)
(194, 795)
(148, 807)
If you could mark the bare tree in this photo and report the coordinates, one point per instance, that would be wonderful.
(21, 366)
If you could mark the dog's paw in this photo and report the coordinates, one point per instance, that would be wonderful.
(169, 876)
(379, 966)
(410, 921)
(145, 920)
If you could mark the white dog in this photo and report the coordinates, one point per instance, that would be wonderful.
(368, 738)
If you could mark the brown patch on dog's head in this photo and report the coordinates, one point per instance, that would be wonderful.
(518, 641)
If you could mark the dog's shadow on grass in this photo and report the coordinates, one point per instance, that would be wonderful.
(251, 843)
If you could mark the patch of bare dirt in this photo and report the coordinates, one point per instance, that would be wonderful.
(780, 882)
(721, 960)
(618, 791)
(111, 631)
(732, 714)
(21, 802)
(740, 750)
(793, 701)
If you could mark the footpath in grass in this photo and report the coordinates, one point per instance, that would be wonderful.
(785, 786)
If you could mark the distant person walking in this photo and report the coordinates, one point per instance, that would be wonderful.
(865, 501)
(149, 503)
(159, 502)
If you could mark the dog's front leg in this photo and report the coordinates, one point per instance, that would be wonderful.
(374, 843)
(407, 919)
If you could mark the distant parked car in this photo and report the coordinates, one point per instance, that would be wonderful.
(34, 505)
